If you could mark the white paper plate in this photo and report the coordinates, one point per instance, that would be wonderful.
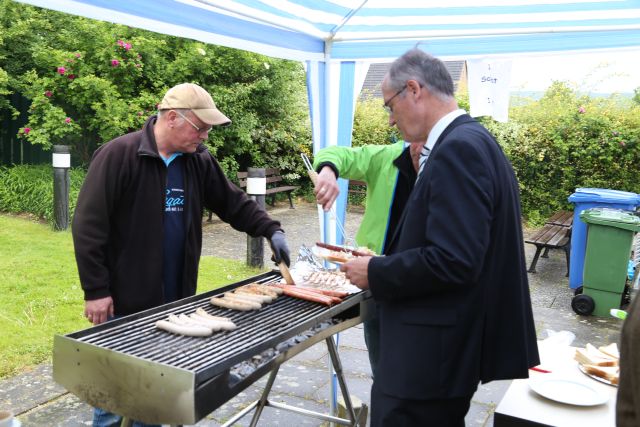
(568, 391)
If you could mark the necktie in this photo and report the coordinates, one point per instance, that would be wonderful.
(424, 155)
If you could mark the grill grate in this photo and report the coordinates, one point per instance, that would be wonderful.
(209, 356)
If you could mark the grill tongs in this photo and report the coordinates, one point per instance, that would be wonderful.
(314, 179)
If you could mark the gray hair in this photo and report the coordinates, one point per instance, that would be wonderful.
(427, 70)
(164, 111)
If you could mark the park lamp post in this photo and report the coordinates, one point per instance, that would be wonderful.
(61, 184)
(256, 189)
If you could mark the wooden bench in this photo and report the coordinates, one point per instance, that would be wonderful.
(555, 234)
(274, 185)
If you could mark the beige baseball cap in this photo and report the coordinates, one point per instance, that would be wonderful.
(194, 98)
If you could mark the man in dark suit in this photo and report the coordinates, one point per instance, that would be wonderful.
(453, 294)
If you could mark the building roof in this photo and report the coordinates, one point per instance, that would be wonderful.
(377, 71)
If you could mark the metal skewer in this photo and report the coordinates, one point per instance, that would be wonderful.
(332, 211)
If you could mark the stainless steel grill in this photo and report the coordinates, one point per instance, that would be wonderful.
(129, 367)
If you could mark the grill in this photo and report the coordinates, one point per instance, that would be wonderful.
(129, 367)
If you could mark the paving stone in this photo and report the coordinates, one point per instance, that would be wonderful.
(478, 414)
(305, 380)
(32, 388)
(64, 411)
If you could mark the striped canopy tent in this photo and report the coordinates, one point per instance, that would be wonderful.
(337, 39)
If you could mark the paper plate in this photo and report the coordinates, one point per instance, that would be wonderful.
(568, 391)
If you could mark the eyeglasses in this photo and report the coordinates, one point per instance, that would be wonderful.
(386, 105)
(198, 129)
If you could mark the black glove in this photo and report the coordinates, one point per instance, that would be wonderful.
(280, 249)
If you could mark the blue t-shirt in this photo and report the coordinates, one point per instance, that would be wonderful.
(174, 229)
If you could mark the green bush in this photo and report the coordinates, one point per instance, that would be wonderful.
(29, 189)
(566, 140)
(89, 81)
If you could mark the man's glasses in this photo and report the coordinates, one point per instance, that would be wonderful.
(386, 106)
(198, 129)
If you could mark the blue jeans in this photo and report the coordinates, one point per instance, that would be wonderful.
(102, 418)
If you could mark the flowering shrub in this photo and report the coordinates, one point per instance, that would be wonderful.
(89, 82)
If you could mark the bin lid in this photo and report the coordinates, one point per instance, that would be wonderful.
(618, 218)
(604, 195)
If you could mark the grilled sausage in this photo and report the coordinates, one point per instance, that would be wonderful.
(310, 291)
(231, 304)
(262, 289)
(202, 312)
(241, 298)
(216, 325)
(253, 295)
(188, 330)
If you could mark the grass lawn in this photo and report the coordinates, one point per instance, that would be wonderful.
(40, 293)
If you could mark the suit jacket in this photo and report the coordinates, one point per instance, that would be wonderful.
(453, 293)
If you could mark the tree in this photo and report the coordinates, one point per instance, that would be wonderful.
(89, 81)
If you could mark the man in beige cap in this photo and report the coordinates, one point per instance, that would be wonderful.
(137, 227)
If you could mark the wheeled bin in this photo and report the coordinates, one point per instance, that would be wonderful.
(610, 235)
(586, 198)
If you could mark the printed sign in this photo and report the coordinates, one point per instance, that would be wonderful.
(489, 88)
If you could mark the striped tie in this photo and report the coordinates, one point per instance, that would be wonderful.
(424, 155)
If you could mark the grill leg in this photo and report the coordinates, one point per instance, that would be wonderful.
(337, 366)
(265, 395)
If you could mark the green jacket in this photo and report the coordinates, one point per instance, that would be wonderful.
(374, 165)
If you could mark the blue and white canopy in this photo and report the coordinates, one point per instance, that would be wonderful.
(339, 38)
(378, 29)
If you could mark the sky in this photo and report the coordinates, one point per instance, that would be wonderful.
(608, 72)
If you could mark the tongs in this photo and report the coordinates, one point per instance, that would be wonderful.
(354, 252)
(314, 178)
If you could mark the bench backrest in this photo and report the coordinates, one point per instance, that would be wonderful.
(272, 175)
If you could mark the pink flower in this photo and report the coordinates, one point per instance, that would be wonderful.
(581, 110)
(622, 143)
(26, 130)
(615, 133)
(127, 46)
(138, 65)
(71, 76)
(140, 113)
(48, 94)
(61, 70)
(77, 55)
(67, 120)
(115, 62)
(120, 43)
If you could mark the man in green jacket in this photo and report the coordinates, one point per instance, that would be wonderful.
(390, 172)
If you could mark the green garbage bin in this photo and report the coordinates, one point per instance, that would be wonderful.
(609, 239)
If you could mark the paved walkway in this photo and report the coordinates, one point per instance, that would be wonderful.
(304, 380)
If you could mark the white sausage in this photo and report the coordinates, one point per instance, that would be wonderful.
(216, 325)
(188, 330)
(241, 298)
(202, 312)
(231, 304)
(252, 295)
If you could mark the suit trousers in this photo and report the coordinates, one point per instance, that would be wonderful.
(389, 411)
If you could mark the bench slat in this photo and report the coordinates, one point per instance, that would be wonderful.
(273, 180)
(563, 218)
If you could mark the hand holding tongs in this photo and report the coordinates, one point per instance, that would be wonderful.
(332, 211)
